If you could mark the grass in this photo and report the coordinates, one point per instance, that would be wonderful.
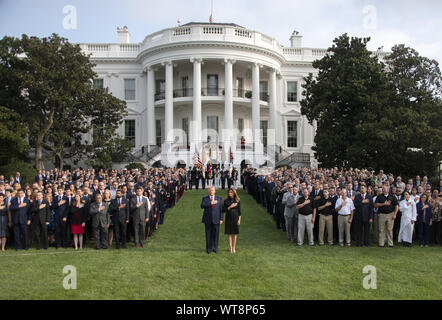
(174, 265)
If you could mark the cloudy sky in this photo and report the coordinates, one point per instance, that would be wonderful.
(415, 23)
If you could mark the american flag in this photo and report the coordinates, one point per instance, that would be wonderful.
(197, 160)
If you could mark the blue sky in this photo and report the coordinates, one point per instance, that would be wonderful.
(415, 23)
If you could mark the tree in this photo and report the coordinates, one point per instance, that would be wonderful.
(417, 111)
(349, 91)
(12, 136)
(377, 115)
(48, 82)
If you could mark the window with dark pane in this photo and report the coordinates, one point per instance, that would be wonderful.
(129, 131)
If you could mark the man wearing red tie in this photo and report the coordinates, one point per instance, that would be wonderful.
(212, 218)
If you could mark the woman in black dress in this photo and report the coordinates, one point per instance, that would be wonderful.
(233, 217)
(4, 221)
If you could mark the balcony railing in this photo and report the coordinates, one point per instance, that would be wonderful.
(212, 92)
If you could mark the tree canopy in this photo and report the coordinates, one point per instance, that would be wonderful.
(374, 114)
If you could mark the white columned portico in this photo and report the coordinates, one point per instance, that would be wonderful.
(258, 148)
(271, 133)
(228, 105)
(168, 116)
(150, 114)
(197, 122)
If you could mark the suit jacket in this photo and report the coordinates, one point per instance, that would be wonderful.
(40, 216)
(212, 215)
(120, 215)
(60, 211)
(78, 215)
(289, 200)
(20, 215)
(139, 214)
(364, 211)
(99, 218)
(420, 213)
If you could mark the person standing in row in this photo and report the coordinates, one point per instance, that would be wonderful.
(4, 221)
(78, 218)
(140, 207)
(326, 207)
(363, 216)
(388, 208)
(120, 209)
(212, 219)
(232, 209)
(345, 208)
(61, 208)
(306, 217)
(40, 216)
(21, 218)
(291, 220)
(99, 211)
(424, 220)
(409, 215)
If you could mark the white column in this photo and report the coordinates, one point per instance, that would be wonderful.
(197, 126)
(255, 108)
(168, 116)
(271, 134)
(150, 114)
(228, 104)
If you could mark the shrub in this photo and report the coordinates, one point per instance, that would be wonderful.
(136, 165)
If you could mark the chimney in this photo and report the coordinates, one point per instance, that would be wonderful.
(123, 35)
(296, 40)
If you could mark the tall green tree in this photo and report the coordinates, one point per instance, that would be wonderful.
(348, 93)
(48, 82)
(375, 114)
(13, 134)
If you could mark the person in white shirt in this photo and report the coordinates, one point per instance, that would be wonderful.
(345, 208)
(409, 215)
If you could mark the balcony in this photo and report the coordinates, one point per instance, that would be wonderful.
(212, 92)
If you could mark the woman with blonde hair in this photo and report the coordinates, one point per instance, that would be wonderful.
(107, 198)
(233, 217)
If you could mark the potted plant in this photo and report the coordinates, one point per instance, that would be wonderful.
(248, 94)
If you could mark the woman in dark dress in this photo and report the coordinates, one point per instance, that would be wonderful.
(233, 217)
(4, 220)
(78, 220)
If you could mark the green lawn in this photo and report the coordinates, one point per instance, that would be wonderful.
(174, 265)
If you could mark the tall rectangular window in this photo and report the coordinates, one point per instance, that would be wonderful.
(185, 86)
(212, 84)
(185, 126)
(129, 131)
(98, 84)
(292, 91)
(263, 127)
(129, 89)
(240, 124)
(212, 123)
(240, 87)
(158, 129)
(292, 134)
(263, 95)
(160, 89)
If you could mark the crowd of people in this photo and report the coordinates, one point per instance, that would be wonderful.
(348, 205)
(68, 209)
(217, 176)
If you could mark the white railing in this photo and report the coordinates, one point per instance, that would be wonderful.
(212, 30)
(243, 33)
(98, 47)
(181, 31)
(292, 51)
(129, 47)
(319, 52)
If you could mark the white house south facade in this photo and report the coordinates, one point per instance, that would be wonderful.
(228, 93)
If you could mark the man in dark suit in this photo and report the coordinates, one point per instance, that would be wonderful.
(212, 218)
(99, 211)
(21, 218)
(397, 222)
(40, 216)
(61, 207)
(120, 209)
(140, 207)
(363, 216)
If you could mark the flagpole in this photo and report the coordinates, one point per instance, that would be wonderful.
(211, 11)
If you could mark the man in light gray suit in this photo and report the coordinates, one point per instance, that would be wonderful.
(289, 199)
(140, 207)
(99, 211)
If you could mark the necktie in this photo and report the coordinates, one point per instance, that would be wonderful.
(19, 200)
(363, 197)
(211, 199)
